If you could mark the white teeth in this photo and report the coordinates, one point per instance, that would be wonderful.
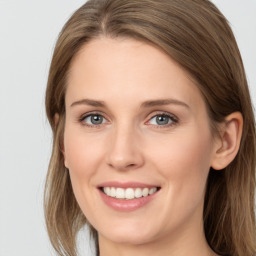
(138, 192)
(108, 190)
(128, 193)
(145, 191)
(112, 192)
(120, 193)
(152, 191)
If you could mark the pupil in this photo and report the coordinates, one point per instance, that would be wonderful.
(96, 119)
(162, 120)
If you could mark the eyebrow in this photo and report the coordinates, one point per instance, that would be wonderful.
(160, 102)
(146, 104)
(90, 102)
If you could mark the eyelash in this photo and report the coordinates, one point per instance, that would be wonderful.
(174, 120)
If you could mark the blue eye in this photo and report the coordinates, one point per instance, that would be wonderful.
(159, 120)
(163, 120)
(93, 119)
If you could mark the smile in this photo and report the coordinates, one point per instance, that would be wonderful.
(128, 196)
(128, 193)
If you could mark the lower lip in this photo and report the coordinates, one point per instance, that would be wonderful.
(126, 205)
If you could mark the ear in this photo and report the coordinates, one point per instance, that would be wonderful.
(228, 143)
(61, 143)
(56, 119)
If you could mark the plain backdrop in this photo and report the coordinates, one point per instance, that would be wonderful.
(28, 32)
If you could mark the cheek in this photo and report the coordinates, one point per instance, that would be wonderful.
(82, 152)
(191, 150)
(184, 162)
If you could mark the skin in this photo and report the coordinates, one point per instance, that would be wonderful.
(131, 146)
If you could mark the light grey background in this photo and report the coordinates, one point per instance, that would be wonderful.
(28, 31)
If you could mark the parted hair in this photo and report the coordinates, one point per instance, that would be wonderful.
(196, 35)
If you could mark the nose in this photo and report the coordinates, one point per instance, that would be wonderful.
(124, 151)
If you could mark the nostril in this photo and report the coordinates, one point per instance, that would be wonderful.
(122, 165)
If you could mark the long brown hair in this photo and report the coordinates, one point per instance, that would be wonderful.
(197, 36)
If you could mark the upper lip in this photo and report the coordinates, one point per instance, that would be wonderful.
(132, 184)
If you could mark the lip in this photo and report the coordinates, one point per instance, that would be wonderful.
(117, 184)
(124, 205)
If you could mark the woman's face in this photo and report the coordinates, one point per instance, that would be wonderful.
(137, 128)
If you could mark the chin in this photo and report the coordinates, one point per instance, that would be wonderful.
(130, 234)
(129, 239)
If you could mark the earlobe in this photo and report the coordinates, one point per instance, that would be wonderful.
(228, 143)
(61, 144)
(56, 118)
(64, 154)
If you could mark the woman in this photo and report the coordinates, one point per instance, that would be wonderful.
(154, 132)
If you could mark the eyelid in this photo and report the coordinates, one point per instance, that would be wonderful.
(173, 118)
(96, 112)
(82, 117)
(163, 113)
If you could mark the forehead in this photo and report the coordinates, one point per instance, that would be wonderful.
(129, 71)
